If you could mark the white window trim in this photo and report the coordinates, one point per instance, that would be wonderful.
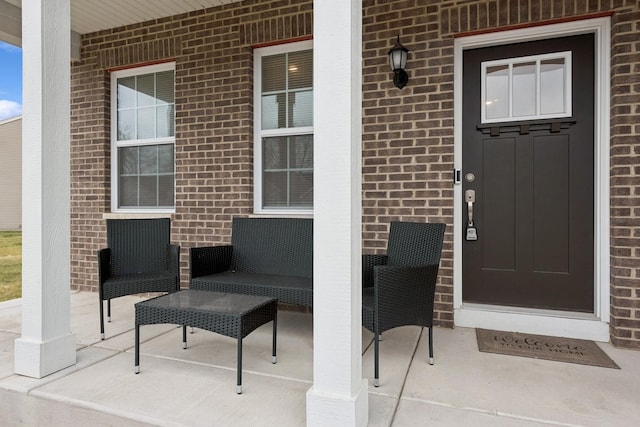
(258, 133)
(115, 75)
(518, 60)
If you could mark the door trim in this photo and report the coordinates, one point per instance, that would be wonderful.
(593, 326)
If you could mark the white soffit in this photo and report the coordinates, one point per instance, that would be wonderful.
(88, 16)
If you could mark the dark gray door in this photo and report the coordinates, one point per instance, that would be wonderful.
(534, 191)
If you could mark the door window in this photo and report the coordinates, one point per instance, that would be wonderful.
(526, 88)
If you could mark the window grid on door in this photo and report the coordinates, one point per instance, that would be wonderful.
(526, 88)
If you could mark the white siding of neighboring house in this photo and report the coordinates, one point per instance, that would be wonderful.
(11, 174)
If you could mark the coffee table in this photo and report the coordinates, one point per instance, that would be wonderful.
(232, 315)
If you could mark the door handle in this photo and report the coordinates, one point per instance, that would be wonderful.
(470, 198)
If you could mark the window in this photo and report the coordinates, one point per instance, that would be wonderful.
(527, 88)
(283, 128)
(143, 139)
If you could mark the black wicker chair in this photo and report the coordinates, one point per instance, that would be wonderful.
(399, 287)
(139, 258)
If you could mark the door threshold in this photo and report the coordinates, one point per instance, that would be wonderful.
(532, 321)
(532, 311)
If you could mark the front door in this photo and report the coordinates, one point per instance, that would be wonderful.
(528, 174)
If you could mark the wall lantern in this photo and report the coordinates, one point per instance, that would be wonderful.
(398, 60)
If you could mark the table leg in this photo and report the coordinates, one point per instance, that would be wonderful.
(137, 352)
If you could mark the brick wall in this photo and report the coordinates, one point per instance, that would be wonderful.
(625, 176)
(407, 135)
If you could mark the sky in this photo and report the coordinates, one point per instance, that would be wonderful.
(10, 81)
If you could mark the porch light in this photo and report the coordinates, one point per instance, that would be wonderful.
(398, 60)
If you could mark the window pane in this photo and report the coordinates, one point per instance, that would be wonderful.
(128, 160)
(301, 109)
(148, 191)
(126, 125)
(288, 171)
(165, 190)
(274, 153)
(301, 189)
(164, 87)
(149, 160)
(138, 94)
(274, 73)
(146, 90)
(301, 149)
(146, 176)
(165, 158)
(274, 186)
(524, 89)
(529, 88)
(300, 69)
(274, 110)
(128, 191)
(146, 123)
(497, 92)
(127, 92)
(552, 86)
(164, 121)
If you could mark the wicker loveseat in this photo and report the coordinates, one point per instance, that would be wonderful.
(270, 257)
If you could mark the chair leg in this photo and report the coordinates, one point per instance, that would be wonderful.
(109, 310)
(431, 345)
(184, 337)
(376, 360)
(101, 319)
(274, 358)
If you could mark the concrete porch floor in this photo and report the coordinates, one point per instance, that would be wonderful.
(196, 387)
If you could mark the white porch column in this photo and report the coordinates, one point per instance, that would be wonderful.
(46, 345)
(339, 396)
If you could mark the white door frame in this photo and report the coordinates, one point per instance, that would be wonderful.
(594, 326)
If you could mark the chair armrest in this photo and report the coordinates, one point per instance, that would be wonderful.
(209, 260)
(104, 265)
(173, 262)
(368, 264)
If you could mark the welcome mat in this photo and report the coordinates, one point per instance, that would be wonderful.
(541, 347)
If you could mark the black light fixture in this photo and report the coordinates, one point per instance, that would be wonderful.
(398, 60)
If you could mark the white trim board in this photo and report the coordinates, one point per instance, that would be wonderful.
(573, 325)
(538, 322)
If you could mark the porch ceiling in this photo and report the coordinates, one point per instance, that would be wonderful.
(88, 16)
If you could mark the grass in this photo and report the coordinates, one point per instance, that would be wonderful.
(10, 265)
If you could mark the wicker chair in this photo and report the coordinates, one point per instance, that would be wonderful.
(399, 287)
(139, 258)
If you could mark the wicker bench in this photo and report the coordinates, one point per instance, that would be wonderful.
(271, 257)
